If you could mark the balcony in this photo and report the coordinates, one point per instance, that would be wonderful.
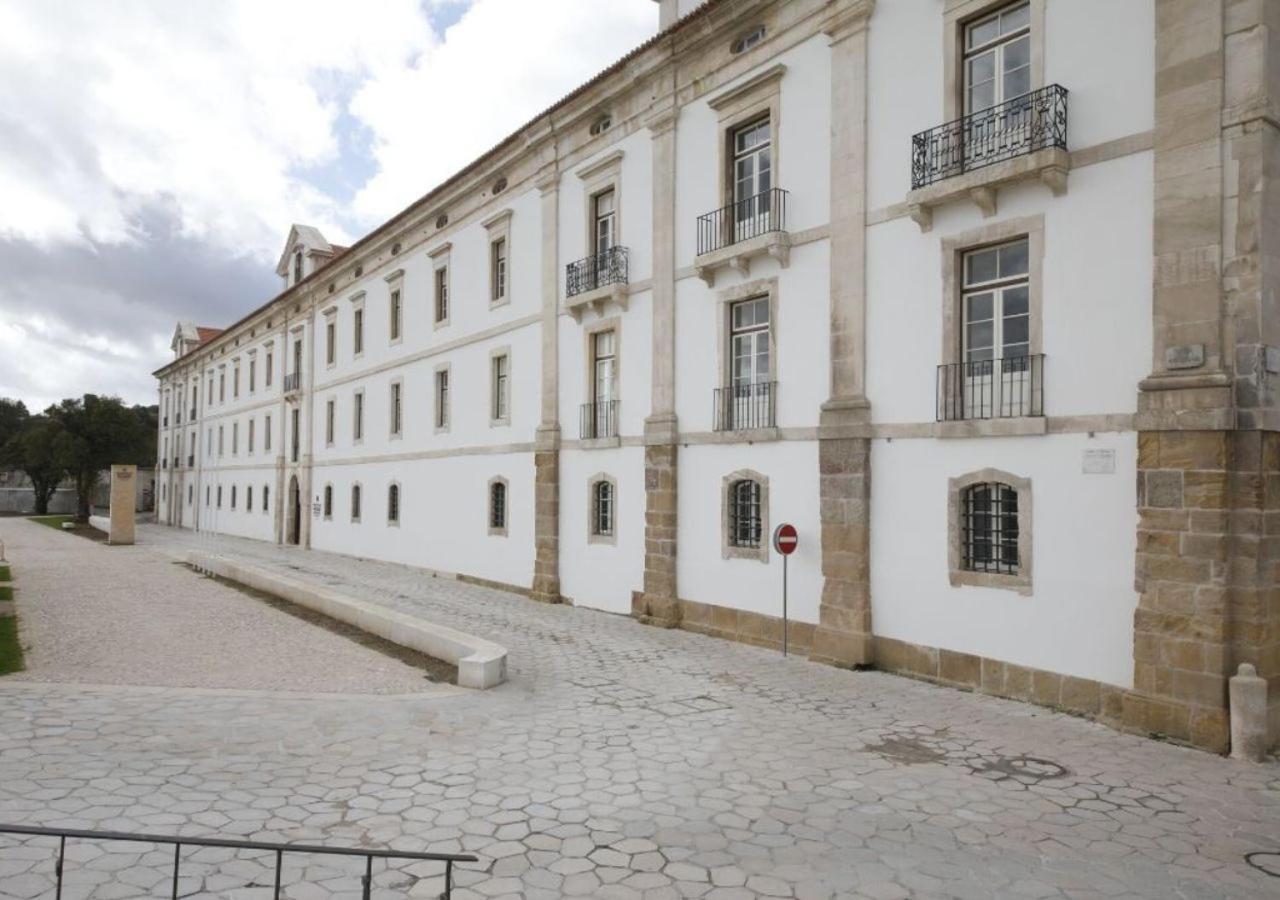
(972, 157)
(1009, 388)
(600, 278)
(746, 407)
(292, 381)
(744, 230)
(598, 421)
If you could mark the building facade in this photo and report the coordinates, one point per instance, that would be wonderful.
(936, 281)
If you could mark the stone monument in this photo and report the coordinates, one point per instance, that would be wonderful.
(124, 501)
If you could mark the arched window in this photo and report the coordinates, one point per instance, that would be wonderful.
(498, 506)
(393, 504)
(602, 503)
(355, 503)
(989, 528)
(265, 497)
(233, 496)
(328, 501)
(744, 513)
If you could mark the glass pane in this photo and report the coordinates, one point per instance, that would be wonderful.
(766, 172)
(982, 68)
(1015, 301)
(1017, 54)
(978, 307)
(1015, 331)
(1016, 351)
(1013, 19)
(1017, 82)
(982, 32)
(1013, 259)
(980, 267)
(604, 203)
(979, 335)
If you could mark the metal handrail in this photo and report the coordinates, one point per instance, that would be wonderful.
(598, 420)
(742, 407)
(598, 270)
(291, 381)
(1003, 388)
(1034, 121)
(742, 220)
(279, 849)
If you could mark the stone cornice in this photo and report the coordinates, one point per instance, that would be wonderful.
(847, 18)
(757, 82)
(605, 162)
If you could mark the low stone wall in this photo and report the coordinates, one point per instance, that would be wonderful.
(102, 523)
(481, 664)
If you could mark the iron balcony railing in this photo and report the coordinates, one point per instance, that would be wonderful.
(1034, 121)
(603, 268)
(742, 220)
(991, 388)
(366, 879)
(745, 406)
(291, 381)
(599, 420)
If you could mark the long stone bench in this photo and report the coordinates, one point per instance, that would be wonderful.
(481, 664)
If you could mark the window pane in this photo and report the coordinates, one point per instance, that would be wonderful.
(979, 307)
(1015, 301)
(982, 32)
(980, 267)
(979, 335)
(1015, 330)
(1015, 18)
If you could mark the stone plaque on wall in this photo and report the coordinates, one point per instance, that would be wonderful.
(1098, 462)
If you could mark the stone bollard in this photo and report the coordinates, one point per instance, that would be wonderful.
(1248, 714)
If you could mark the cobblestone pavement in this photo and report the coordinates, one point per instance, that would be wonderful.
(623, 761)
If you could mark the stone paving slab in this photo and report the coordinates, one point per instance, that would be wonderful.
(630, 762)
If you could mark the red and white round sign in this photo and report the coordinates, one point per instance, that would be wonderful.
(785, 539)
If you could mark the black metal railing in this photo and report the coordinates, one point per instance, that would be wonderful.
(991, 388)
(366, 880)
(603, 268)
(193, 414)
(291, 381)
(742, 220)
(743, 406)
(1023, 125)
(598, 420)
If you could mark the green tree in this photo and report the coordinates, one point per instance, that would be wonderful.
(13, 418)
(96, 433)
(32, 451)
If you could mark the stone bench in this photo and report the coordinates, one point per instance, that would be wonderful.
(481, 664)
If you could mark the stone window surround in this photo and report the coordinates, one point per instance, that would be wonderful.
(756, 98)
(235, 379)
(498, 227)
(357, 303)
(394, 523)
(589, 332)
(395, 282)
(958, 576)
(728, 550)
(956, 246)
(357, 416)
(440, 422)
(440, 260)
(330, 315)
(392, 432)
(957, 14)
(506, 506)
(330, 420)
(252, 354)
(494, 354)
(356, 509)
(748, 290)
(610, 540)
(597, 178)
(327, 504)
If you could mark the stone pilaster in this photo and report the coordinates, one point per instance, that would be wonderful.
(546, 457)
(843, 635)
(659, 603)
(546, 526)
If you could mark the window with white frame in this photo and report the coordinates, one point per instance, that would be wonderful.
(745, 521)
(604, 220)
(748, 400)
(997, 57)
(498, 270)
(442, 294)
(752, 176)
(396, 412)
(357, 417)
(393, 504)
(396, 314)
(996, 377)
(500, 394)
(330, 342)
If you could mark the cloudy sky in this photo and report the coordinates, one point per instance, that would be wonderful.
(153, 153)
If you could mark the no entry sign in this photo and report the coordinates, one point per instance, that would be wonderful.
(785, 539)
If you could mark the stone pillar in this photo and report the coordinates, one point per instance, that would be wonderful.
(843, 635)
(1208, 453)
(659, 602)
(546, 458)
(124, 502)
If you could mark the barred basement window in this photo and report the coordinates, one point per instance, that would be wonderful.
(328, 501)
(393, 504)
(989, 528)
(266, 497)
(745, 525)
(602, 509)
(498, 506)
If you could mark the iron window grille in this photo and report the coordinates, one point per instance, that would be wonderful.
(1017, 127)
(599, 420)
(745, 523)
(991, 388)
(498, 505)
(742, 220)
(602, 509)
(328, 501)
(989, 528)
(355, 503)
(745, 406)
(393, 503)
(607, 267)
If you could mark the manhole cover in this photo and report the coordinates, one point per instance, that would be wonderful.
(1267, 861)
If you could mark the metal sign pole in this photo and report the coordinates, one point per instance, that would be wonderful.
(784, 605)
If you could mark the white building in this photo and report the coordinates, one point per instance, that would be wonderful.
(844, 264)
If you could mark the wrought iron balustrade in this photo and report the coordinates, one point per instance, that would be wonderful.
(291, 381)
(991, 388)
(598, 270)
(1034, 121)
(742, 220)
(598, 420)
(366, 879)
(745, 406)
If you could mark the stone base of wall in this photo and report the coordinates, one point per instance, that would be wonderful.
(843, 637)
(546, 527)
(745, 627)
(657, 604)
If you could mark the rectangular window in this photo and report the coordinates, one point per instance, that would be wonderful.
(219, 496)
(357, 331)
(357, 417)
(266, 434)
(745, 524)
(269, 367)
(355, 503)
(393, 504)
(210, 400)
(296, 437)
(328, 501)
(997, 57)
(990, 528)
(209, 450)
(252, 423)
(329, 409)
(498, 270)
(222, 386)
(396, 423)
(397, 312)
(330, 342)
(604, 206)
(297, 362)
(442, 398)
(752, 179)
(220, 444)
(235, 438)
(604, 361)
(235, 382)
(747, 402)
(253, 375)
(602, 509)
(500, 404)
(996, 377)
(442, 294)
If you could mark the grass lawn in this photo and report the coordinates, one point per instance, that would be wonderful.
(10, 649)
(4, 574)
(54, 522)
